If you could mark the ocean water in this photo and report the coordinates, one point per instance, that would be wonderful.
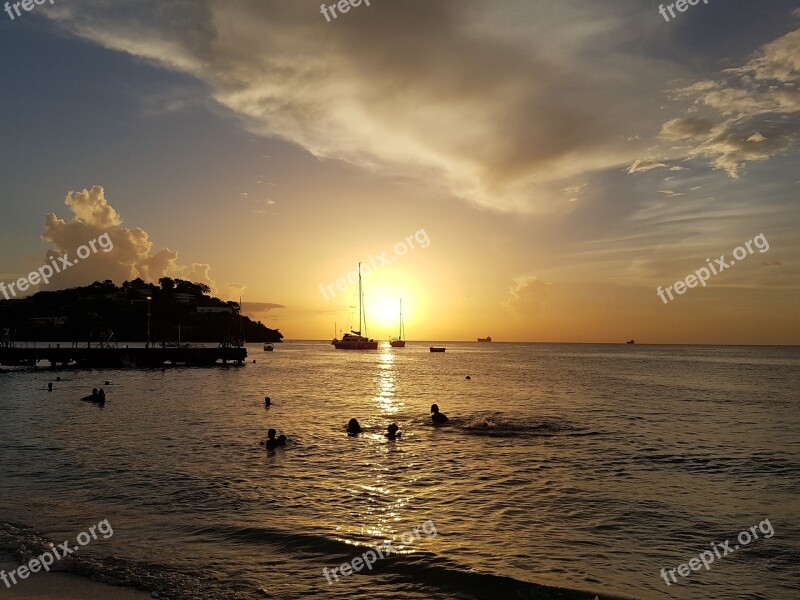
(583, 467)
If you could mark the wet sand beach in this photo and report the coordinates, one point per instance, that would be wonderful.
(63, 586)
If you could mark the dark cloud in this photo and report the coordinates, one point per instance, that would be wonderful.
(493, 105)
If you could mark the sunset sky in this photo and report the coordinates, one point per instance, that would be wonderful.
(563, 158)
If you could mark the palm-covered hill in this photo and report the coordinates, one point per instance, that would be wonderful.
(93, 312)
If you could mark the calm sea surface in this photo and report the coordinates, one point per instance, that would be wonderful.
(588, 467)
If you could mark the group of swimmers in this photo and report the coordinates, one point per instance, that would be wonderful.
(272, 442)
(97, 397)
(354, 427)
(393, 431)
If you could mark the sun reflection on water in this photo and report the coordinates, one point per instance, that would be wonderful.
(385, 380)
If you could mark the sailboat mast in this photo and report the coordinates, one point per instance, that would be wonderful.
(401, 319)
(360, 304)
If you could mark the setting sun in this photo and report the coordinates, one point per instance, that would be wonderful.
(385, 313)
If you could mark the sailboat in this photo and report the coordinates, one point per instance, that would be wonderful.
(399, 342)
(354, 340)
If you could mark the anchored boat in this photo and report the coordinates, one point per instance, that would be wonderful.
(354, 340)
(399, 342)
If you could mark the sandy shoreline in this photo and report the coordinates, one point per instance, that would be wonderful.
(63, 586)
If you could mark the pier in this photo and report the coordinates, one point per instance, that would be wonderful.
(113, 357)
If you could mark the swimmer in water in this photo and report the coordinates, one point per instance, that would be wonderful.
(92, 398)
(50, 387)
(281, 440)
(271, 443)
(353, 427)
(438, 418)
(267, 401)
(392, 431)
(95, 398)
(102, 395)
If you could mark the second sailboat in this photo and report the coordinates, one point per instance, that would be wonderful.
(400, 342)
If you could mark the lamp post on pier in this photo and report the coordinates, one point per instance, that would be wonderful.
(149, 298)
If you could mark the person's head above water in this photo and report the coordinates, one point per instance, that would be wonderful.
(94, 391)
(392, 430)
(354, 426)
(282, 440)
(267, 401)
(271, 434)
(438, 417)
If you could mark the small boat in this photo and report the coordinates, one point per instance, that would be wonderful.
(268, 348)
(399, 342)
(486, 339)
(631, 341)
(354, 340)
(437, 349)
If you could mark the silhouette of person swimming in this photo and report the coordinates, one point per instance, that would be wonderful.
(392, 431)
(438, 418)
(354, 427)
(95, 398)
(267, 401)
(273, 443)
